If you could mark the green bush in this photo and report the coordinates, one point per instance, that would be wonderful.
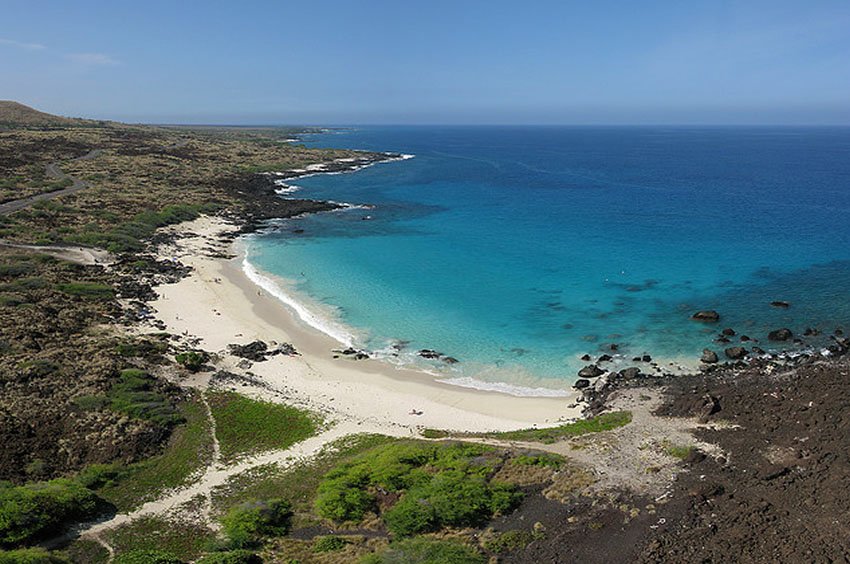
(31, 556)
(15, 269)
(147, 557)
(192, 360)
(88, 290)
(329, 544)
(31, 511)
(134, 395)
(247, 524)
(441, 485)
(231, 557)
(422, 550)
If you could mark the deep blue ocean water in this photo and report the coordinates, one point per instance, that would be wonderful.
(519, 249)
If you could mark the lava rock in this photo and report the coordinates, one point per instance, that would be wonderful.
(729, 332)
(586, 358)
(630, 373)
(709, 356)
(581, 384)
(780, 304)
(708, 315)
(780, 335)
(591, 371)
(605, 358)
(736, 353)
(429, 353)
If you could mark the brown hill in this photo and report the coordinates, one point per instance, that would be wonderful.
(16, 114)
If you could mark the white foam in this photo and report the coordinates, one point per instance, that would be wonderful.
(505, 388)
(326, 326)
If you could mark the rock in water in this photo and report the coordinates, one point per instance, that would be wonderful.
(780, 335)
(581, 384)
(780, 303)
(591, 371)
(729, 332)
(709, 356)
(708, 315)
(736, 353)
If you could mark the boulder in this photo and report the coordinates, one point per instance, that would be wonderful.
(600, 384)
(429, 353)
(586, 358)
(630, 373)
(708, 315)
(581, 384)
(591, 371)
(646, 358)
(709, 356)
(745, 338)
(729, 332)
(781, 304)
(605, 358)
(780, 335)
(450, 360)
(759, 350)
(736, 353)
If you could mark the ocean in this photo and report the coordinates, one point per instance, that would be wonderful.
(517, 250)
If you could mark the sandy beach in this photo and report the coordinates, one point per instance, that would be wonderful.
(219, 305)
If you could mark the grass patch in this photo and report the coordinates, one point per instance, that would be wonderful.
(678, 451)
(84, 551)
(512, 540)
(189, 449)
(244, 425)
(186, 541)
(422, 550)
(31, 556)
(603, 422)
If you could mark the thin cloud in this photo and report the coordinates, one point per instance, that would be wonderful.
(91, 59)
(23, 45)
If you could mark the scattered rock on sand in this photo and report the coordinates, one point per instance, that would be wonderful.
(780, 335)
(709, 356)
(708, 315)
(736, 353)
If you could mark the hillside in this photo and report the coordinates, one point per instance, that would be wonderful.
(17, 114)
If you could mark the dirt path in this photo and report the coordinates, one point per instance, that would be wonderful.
(53, 171)
(217, 475)
(80, 255)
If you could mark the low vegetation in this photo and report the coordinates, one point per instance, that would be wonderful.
(32, 511)
(422, 550)
(247, 524)
(245, 425)
(439, 485)
(603, 422)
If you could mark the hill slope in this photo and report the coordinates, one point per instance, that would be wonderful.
(17, 114)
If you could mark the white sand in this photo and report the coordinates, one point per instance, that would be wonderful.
(219, 305)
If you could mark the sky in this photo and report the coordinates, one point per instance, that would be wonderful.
(340, 62)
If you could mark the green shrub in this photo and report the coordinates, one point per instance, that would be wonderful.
(441, 485)
(134, 395)
(247, 524)
(545, 460)
(31, 556)
(147, 557)
(97, 476)
(512, 540)
(231, 557)
(422, 550)
(192, 360)
(329, 544)
(15, 269)
(88, 290)
(28, 512)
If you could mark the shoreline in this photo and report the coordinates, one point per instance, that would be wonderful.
(219, 305)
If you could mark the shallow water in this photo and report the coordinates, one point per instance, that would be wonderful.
(517, 250)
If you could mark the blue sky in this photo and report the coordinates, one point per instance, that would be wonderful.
(461, 61)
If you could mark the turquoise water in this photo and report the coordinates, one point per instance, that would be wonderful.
(517, 250)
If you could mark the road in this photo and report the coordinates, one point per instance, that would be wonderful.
(53, 171)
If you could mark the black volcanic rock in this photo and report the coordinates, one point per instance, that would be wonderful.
(780, 335)
(780, 304)
(736, 353)
(709, 316)
(709, 356)
(591, 371)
